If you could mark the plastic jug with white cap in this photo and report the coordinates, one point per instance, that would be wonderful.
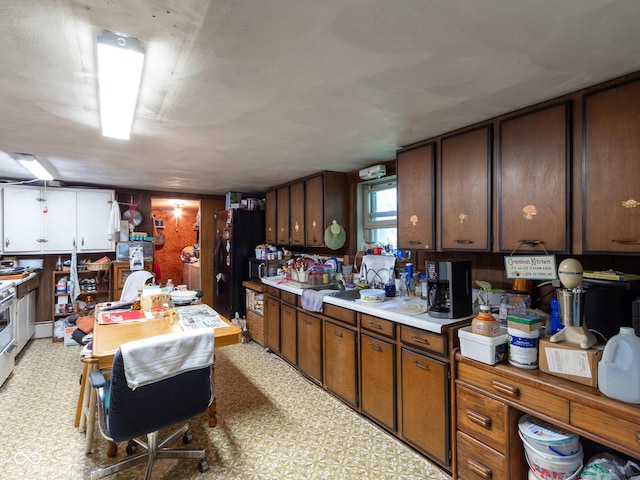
(619, 369)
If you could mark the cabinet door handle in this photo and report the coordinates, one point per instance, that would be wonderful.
(625, 242)
(7, 242)
(478, 468)
(638, 437)
(307, 321)
(375, 347)
(506, 389)
(375, 325)
(337, 334)
(420, 340)
(478, 418)
(419, 365)
(414, 242)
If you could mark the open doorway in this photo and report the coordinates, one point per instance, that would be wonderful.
(176, 224)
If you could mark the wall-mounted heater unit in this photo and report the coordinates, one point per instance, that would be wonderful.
(375, 171)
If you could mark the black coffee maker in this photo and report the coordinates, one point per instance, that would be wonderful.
(449, 288)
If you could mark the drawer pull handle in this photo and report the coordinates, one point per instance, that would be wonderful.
(337, 334)
(638, 437)
(462, 241)
(375, 325)
(506, 389)
(419, 365)
(478, 468)
(307, 321)
(478, 418)
(623, 241)
(375, 347)
(420, 340)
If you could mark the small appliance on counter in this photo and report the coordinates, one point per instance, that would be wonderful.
(609, 305)
(449, 288)
(571, 306)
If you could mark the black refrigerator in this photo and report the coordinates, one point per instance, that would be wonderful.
(237, 233)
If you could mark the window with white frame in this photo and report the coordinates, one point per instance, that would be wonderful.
(379, 212)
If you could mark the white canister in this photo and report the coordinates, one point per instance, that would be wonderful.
(523, 348)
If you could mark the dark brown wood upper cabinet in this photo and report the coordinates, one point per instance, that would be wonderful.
(416, 195)
(610, 167)
(271, 226)
(465, 190)
(326, 200)
(296, 212)
(282, 216)
(534, 160)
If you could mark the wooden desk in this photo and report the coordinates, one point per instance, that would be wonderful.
(107, 338)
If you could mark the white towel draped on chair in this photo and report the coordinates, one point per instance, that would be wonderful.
(194, 352)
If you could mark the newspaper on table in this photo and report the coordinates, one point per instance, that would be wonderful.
(199, 316)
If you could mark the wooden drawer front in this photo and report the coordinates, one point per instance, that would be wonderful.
(478, 462)
(339, 313)
(255, 325)
(515, 391)
(273, 291)
(607, 425)
(482, 417)
(288, 297)
(433, 342)
(378, 325)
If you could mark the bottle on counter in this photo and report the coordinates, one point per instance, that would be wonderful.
(169, 285)
(59, 264)
(556, 326)
(403, 291)
(424, 291)
(390, 286)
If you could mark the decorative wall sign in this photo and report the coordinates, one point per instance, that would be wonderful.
(531, 267)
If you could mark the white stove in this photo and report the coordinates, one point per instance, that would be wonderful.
(7, 319)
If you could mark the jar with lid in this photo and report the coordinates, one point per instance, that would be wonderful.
(484, 323)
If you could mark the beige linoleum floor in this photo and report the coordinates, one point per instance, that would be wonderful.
(273, 424)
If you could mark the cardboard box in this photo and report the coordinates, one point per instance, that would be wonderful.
(568, 360)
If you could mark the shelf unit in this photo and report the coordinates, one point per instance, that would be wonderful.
(121, 270)
(96, 284)
(255, 310)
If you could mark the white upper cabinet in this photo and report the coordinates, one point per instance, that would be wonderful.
(53, 220)
(94, 216)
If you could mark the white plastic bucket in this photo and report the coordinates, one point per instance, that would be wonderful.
(619, 369)
(547, 438)
(551, 466)
(523, 348)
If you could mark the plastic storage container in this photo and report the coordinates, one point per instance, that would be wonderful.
(619, 369)
(547, 438)
(552, 466)
(523, 348)
(489, 350)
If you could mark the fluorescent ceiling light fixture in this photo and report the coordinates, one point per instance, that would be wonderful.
(34, 166)
(120, 62)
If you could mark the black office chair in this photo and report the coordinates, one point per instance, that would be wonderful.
(181, 363)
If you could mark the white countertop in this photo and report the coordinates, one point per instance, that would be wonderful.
(423, 321)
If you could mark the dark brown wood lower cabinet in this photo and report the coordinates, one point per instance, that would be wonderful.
(310, 346)
(425, 404)
(341, 362)
(288, 329)
(378, 391)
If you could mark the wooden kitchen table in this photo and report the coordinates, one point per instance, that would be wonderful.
(107, 338)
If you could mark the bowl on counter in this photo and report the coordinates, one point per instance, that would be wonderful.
(183, 297)
(372, 295)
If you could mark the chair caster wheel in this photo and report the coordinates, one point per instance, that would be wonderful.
(187, 437)
(203, 466)
(131, 448)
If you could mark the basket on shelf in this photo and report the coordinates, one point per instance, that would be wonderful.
(94, 267)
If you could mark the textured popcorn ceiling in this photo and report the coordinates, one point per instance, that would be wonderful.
(241, 95)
